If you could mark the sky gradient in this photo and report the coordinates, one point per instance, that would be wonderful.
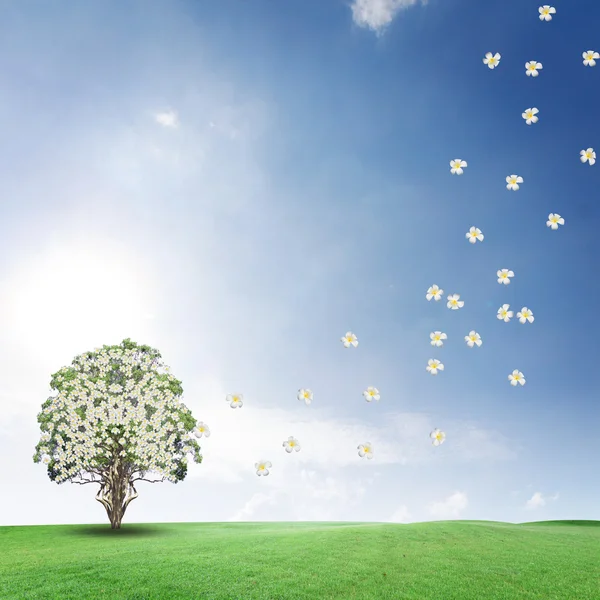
(239, 184)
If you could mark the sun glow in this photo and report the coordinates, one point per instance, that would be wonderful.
(78, 295)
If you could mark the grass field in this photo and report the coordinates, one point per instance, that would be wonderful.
(451, 560)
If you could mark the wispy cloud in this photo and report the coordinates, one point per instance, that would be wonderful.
(328, 441)
(307, 494)
(378, 14)
(451, 507)
(259, 499)
(167, 118)
(538, 500)
(401, 515)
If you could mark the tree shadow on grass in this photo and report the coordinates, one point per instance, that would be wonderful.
(133, 530)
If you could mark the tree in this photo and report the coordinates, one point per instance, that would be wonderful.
(115, 419)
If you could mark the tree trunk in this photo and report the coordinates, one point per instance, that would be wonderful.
(113, 494)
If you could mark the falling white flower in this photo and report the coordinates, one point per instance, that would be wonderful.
(554, 221)
(473, 339)
(457, 165)
(434, 292)
(588, 156)
(454, 303)
(235, 400)
(504, 314)
(590, 57)
(371, 393)
(532, 67)
(530, 115)
(202, 430)
(437, 437)
(474, 234)
(365, 450)
(291, 444)
(434, 365)
(492, 60)
(262, 468)
(546, 12)
(525, 315)
(513, 181)
(437, 337)
(516, 377)
(349, 340)
(306, 395)
(504, 275)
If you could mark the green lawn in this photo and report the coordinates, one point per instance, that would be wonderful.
(450, 560)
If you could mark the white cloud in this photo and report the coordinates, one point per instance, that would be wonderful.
(535, 501)
(471, 442)
(167, 118)
(401, 515)
(257, 500)
(451, 507)
(328, 441)
(308, 495)
(378, 14)
(538, 500)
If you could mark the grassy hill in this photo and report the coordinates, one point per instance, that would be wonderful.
(444, 560)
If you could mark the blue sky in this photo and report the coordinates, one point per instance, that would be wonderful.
(303, 190)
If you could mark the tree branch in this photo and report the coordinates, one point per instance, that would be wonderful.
(107, 505)
(135, 495)
(86, 481)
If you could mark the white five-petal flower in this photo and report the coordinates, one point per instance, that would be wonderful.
(365, 449)
(262, 468)
(554, 220)
(437, 337)
(492, 60)
(202, 430)
(513, 181)
(474, 234)
(516, 377)
(530, 115)
(503, 276)
(532, 67)
(525, 315)
(457, 165)
(349, 340)
(46, 459)
(437, 437)
(434, 365)
(306, 395)
(546, 12)
(472, 339)
(588, 156)
(454, 302)
(291, 444)
(235, 400)
(371, 393)
(590, 57)
(434, 292)
(504, 314)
